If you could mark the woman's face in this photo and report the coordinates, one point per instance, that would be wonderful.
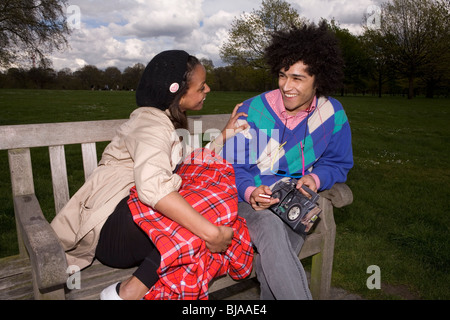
(198, 89)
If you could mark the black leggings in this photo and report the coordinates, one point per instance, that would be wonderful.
(123, 244)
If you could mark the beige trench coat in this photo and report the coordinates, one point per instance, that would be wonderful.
(144, 152)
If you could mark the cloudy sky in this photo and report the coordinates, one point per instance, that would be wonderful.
(122, 33)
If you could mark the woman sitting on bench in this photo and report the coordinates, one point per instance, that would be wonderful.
(143, 157)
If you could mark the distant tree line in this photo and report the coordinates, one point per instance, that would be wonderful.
(88, 77)
(363, 75)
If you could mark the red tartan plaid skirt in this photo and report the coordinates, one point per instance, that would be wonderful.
(187, 265)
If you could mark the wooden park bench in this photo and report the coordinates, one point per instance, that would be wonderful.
(40, 271)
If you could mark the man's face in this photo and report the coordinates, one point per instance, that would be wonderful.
(297, 88)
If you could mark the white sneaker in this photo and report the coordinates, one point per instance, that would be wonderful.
(110, 293)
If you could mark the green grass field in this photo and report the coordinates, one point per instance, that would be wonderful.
(399, 219)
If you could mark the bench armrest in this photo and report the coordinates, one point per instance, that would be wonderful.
(47, 257)
(340, 195)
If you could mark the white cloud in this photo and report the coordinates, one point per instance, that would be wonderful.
(349, 14)
(124, 32)
(217, 32)
(155, 18)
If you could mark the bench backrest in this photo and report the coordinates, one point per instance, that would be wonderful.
(18, 139)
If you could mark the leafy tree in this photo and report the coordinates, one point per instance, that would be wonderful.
(113, 78)
(30, 29)
(412, 34)
(40, 77)
(65, 79)
(16, 78)
(90, 77)
(250, 33)
(357, 61)
(436, 71)
(378, 63)
(131, 76)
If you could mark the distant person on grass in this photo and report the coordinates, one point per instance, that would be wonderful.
(143, 206)
(296, 131)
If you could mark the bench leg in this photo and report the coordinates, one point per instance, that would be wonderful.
(321, 270)
(322, 262)
(320, 278)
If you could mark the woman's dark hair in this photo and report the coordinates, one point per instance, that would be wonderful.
(317, 47)
(178, 117)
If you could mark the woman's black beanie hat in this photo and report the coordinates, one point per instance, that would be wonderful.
(162, 79)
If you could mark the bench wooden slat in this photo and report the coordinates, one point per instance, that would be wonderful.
(22, 183)
(54, 134)
(59, 176)
(21, 171)
(15, 278)
(94, 279)
(63, 133)
(90, 161)
(312, 246)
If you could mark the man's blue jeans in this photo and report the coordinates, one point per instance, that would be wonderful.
(279, 271)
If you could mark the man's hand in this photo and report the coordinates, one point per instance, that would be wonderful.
(261, 199)
(309, 182)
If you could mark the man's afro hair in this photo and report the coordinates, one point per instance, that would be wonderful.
(317, 47)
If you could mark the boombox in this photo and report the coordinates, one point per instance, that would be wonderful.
(295, 209)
